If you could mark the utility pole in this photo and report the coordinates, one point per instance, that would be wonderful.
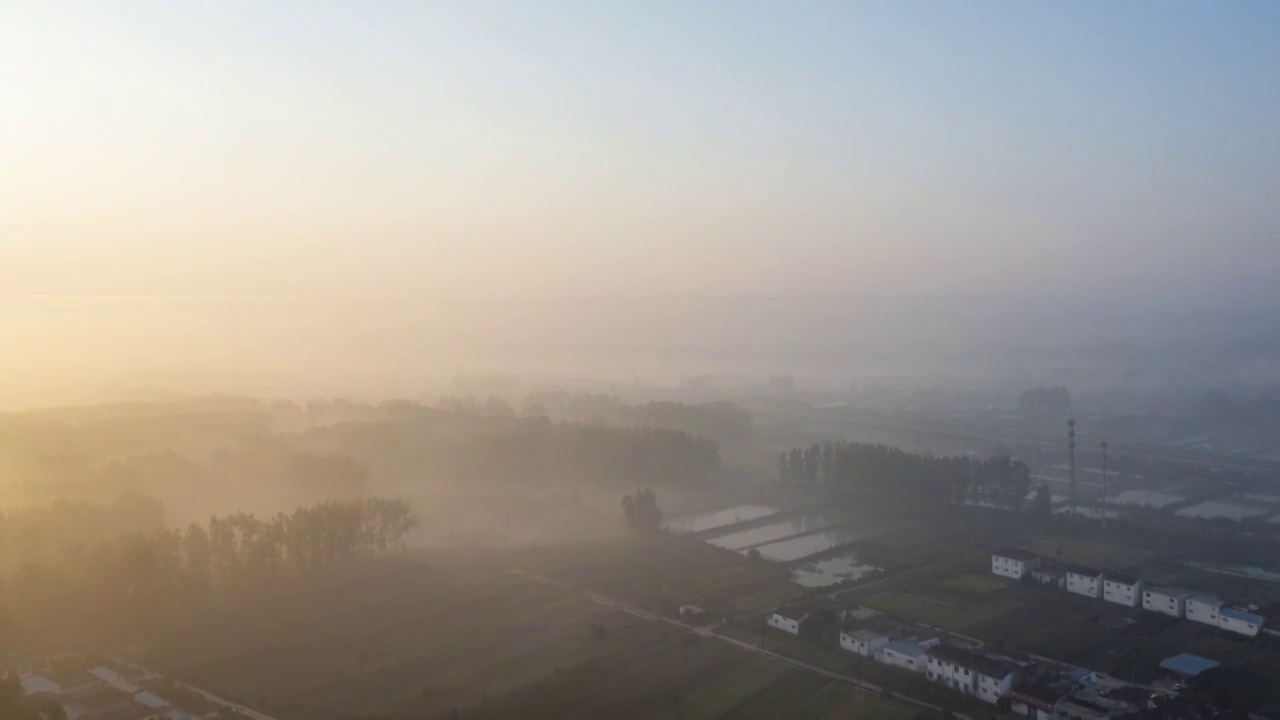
(1104, 484)
(1071, 446)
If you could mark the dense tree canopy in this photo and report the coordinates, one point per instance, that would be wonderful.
(846, 469)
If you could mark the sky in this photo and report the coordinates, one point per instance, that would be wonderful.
(412, 152)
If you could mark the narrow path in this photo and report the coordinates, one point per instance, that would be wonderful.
(740, 644)
(247, 712)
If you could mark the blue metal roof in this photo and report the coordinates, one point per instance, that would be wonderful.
(905, 647)
(1241, 615)
(1188, 664)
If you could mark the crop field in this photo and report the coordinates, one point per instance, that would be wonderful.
(1102, 555)
(411, 639)
(658, 573)
(691, 679)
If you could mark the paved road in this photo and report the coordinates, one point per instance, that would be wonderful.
(740, 644)
(248, 712)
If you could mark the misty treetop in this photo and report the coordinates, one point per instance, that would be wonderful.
(847, 469)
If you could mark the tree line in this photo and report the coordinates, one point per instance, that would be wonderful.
(848, 469)
(95, 581)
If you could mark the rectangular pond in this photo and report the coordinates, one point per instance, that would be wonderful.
(718, 518)
(806, 545)
(831, 571)
(1152, 498)
(1211, 509)
(775, 531)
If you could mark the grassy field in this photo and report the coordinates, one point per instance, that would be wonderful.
(1102, 555)
(402, 639)
(658, 572)
(701, 679)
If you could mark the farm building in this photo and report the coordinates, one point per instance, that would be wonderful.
(971, 673)
(1035, 702)
(1239, 621)
(1014, 563)
(1187, 665)
(863, 642)
(1203, 608)
(1086, 705)
(1085, 581)
(1167, 600)
(1054, 575)
(1122, 590)
(905, 654)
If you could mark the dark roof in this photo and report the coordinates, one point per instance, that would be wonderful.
(799, 609)
(1016, 554)
(1118, 578)
(1083, 570)
(1237, 614)
(1040, 696)
(972, 660)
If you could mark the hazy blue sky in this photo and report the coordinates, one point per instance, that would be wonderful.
(320, 172)
(917, 148)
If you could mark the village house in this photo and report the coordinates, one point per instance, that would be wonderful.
(863, 642)
(905, 654)
(1240, 621)
(1035, 702)
(1014, 563)
(1054, 575)
(1087, 705)
(789, 618)
(1203, 608)
(1085, 581)
(986, 678)
(1121, 589)
(1167, 600)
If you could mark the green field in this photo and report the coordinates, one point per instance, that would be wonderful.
(1101, 555)
(939, 613)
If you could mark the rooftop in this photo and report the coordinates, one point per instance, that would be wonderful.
(1237, 614)
(1016, 554)
(967, 658)
(1118, 578)
(1206, 599)
(1171, 592)
(905, 647)
(1084, 570)
(1188, 664)
(865, 634)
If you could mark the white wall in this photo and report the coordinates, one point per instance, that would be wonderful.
(1173, 606)
(866, 647)
(784, 624)
(1082, 585)
(1121, 593)
(889, 657)
(1202, 612)
(1239, 626)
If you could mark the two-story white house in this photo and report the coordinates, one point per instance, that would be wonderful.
(1239, 621)
(863, 642)
(968, 672)
(1170, 601)
(905, 654)
(1122, 590)
(1204, 608)
(1085, 581)
(1014, 563)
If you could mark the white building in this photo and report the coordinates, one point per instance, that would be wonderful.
(863, 642)
(905, 654)
(983, 677)
(788, 619)
(1168, 600)
(1084, 581)
(1014, 563)
(1050, 574)
(1122, 590)
(1245, 623)
(1204, 608)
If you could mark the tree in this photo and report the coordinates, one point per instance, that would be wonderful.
(641, 511)
(1042, 504)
